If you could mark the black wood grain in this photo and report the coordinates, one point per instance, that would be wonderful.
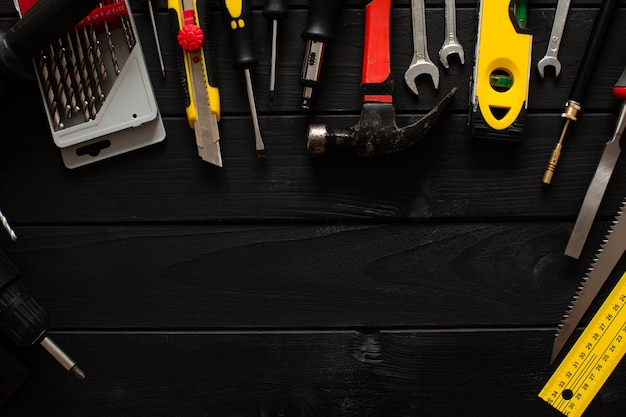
(427, 373)
(328, 276)
(425, 284)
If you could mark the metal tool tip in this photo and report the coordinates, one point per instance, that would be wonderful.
(260, 153)
(78, 373)
(271, 98)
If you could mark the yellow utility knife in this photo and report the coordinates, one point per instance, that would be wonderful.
(202, 97)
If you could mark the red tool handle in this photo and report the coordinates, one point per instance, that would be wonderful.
(619, 90)
(376, 54)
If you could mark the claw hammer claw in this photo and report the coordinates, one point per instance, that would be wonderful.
(376, 132)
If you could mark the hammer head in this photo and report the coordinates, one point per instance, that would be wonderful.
(376, 133)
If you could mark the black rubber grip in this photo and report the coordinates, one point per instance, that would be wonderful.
(275, 9)
(594, 44)
(321, 20)
(237, 17)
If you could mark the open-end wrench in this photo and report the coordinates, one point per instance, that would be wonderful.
(421, 63)
(451, 44)
(550, 59)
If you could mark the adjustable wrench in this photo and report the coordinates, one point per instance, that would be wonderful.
(550, 59)
(451, 43)
(421, 63)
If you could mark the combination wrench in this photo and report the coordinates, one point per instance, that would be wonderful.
(451, 44)
(550, 59)
(421, 63)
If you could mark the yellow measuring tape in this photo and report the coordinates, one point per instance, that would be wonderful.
(592, 359)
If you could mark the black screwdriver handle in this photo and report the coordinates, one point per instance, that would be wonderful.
(320, 23)
(237, 16)
(275, 9)
(44, 23)
(594, 44)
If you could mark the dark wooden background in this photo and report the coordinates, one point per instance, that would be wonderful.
(425, 284)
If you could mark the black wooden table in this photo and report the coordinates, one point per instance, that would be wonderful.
(429, 283)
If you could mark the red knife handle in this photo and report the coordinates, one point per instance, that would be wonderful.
(619, 90)
(376, 54)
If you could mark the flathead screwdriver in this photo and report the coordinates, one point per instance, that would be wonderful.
(237, 17)
(23, 321)
(274, 10)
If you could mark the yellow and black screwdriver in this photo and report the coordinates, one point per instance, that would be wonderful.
(237, 16)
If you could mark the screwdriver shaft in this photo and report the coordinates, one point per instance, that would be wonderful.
(258, 139)
(156, 37)
(273, 62)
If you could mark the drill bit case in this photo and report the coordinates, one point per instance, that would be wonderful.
(96, 87)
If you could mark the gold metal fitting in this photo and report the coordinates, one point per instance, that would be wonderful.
(571, 111)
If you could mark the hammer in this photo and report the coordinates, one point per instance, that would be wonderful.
(376, 133)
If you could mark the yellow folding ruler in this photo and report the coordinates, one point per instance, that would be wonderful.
(592, 359)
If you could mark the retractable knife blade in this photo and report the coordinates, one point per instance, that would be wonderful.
(203, 104)
(607, 257)
(600, 180)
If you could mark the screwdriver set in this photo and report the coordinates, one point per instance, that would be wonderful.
(95, 87)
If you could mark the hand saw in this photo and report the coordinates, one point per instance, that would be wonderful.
(202, 97)
(607, 257)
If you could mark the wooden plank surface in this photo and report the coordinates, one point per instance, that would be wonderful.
(429, 283)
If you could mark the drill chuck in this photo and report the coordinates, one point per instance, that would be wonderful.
(22, 320)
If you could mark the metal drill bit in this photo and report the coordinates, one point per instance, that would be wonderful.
(76, 76)
(102, 71)
(156, 37)
(91, 59)
(90, 99)
(109, 36)
(68, 363)
(67, 81)
(7, 227)
(49, 91)
(58, 84)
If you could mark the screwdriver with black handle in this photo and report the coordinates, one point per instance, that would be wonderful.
(237, 16)
(23, 321)
(319, 30)
(274, 10)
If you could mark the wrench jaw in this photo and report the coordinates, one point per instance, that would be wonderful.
(549, 61)
(451, 47)
(418, 69)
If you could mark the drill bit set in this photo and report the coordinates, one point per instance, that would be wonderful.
(96, 88)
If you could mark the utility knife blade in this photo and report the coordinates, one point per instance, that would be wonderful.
(607, 257)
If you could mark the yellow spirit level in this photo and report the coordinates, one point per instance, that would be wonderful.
(501, 71)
